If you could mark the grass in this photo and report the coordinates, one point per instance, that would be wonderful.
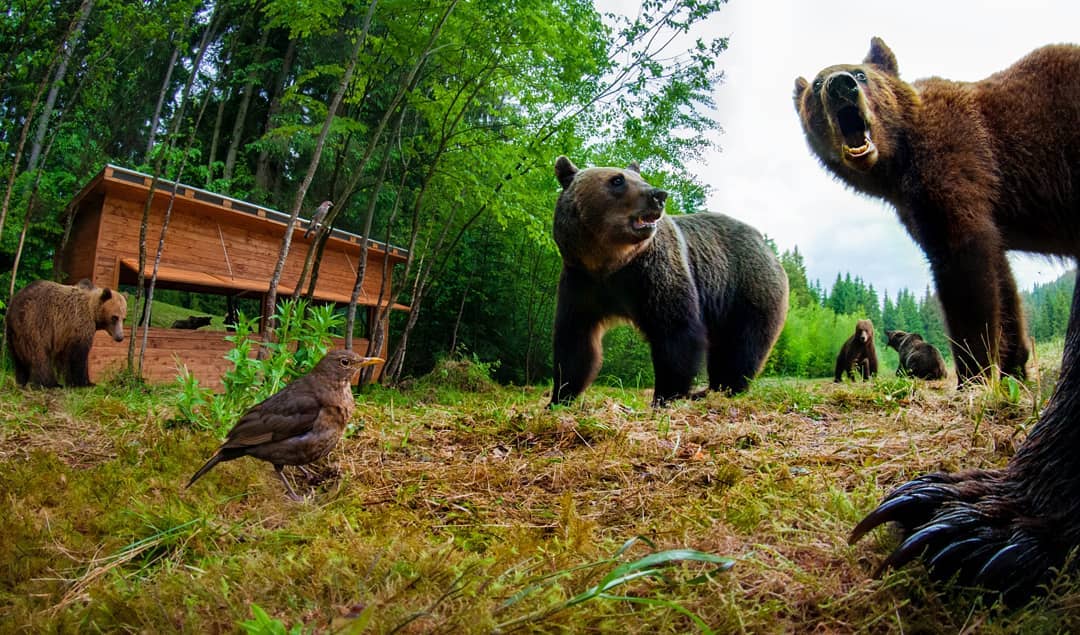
(458, 506)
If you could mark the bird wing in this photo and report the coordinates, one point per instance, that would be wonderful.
(284, 415)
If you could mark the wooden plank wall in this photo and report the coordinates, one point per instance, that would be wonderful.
(226, 243)
(203, 352)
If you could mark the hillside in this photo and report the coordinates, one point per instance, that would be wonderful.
(449, 509)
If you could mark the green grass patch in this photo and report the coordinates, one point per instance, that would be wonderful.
(456, 505)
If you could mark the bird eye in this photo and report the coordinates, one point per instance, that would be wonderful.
(345, 362)
(860, 76)
(618, 180)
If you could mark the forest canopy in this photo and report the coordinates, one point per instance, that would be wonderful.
(432, 126)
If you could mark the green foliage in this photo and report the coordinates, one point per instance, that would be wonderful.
(1047, 307)
(301, 337)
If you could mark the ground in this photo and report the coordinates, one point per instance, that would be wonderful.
(454, 510)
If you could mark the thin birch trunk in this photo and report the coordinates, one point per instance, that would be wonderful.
(68, 49)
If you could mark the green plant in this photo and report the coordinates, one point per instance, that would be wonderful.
(650, 566)
(301, 337)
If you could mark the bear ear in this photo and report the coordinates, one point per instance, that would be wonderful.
(800, 86)
(881, 56)
(565, 171)
(634, 167)
(106, 294)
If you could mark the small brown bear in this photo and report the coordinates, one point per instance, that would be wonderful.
(918, 357)
(50, 329)
(858, 352)
(697, 286)
(192, 322)
(974, 169)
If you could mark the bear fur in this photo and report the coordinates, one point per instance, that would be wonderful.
(697, 286)
(50, 329)
(192, 322)
(918, 357)
(858, 352)
(974, 169)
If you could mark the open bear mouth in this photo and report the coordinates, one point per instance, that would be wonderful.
(645, 221)
(853, 129)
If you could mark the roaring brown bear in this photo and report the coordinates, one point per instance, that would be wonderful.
(858, 352)
(697, 285)
(917, 357)
(974, 169)
(50, 329)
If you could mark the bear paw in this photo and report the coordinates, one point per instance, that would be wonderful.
(973, 528)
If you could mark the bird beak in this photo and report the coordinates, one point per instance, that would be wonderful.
(369, 361)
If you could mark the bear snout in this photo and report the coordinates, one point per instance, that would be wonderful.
(657, 197)
(841, 86)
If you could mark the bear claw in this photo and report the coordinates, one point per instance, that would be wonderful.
(966, 528)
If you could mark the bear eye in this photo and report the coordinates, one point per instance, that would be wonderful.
(860, 76)
(817, 84)
(618, 180)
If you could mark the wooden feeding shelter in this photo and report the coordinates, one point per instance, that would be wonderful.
(215, 244)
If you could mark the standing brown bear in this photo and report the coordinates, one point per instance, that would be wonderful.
(974, 169)
(858, 352)
(697, 286)
(917, 357)
(50, 329)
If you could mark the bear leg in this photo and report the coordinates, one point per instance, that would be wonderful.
(1014, 347)
(738, 358)
(1002, 531)
(577, 347)
(677, 352)
(968, 286)
(76, 365)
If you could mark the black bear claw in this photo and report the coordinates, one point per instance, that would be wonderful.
(967, 528)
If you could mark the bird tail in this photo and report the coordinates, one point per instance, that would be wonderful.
(214, 460)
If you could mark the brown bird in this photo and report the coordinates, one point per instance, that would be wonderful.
(317, 218)
(299, 424)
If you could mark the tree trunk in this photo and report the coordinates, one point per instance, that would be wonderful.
(156, 121)
(68, 49)
(241, 112)
(178, 118)
(22, 146)
(149, 304)
(271, 294)
(262, 164)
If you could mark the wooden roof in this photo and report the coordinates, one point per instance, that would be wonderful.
(197, 254)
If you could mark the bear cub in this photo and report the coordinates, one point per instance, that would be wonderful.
(918, 357)
(50, 329)
(698, 286)
(858, 352)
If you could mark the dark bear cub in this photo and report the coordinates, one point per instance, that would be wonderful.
(192, 322)
(697, 286)
(918, 357)
(974, 169)
(858, 353)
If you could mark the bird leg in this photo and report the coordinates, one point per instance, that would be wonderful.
(308, 474)
(281, 474)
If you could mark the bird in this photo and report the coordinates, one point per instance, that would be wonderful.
(316, 218)
(299, 424)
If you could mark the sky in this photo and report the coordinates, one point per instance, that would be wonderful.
(763, 172)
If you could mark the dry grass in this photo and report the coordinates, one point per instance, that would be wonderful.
(450, 511)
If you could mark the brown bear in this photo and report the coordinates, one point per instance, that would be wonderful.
(697, 286)
(918, 358)
(858, 352)
(50, 329)
(192, 322)
(974, 169)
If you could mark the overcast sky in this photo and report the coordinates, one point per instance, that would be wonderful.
(764, 173)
